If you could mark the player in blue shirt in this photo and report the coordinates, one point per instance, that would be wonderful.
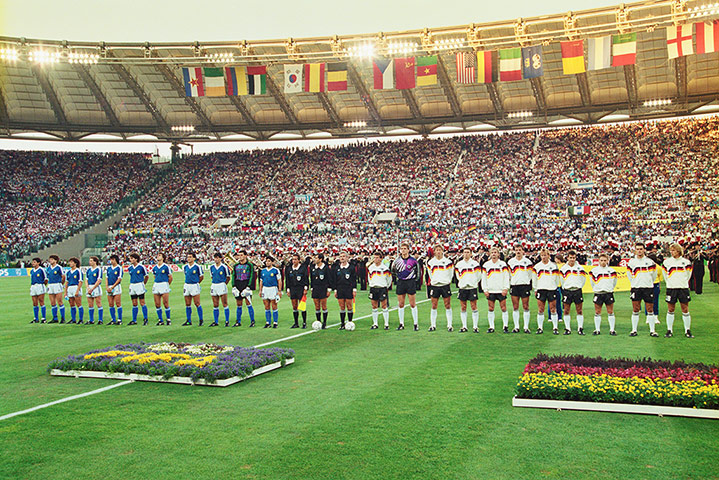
(270, 291)
(191, 290)
(94, 290)
(138, 280)
(38, 280)
(114, 290)
(55, 282)
(73, 290)
(161, 288)
(218, 290)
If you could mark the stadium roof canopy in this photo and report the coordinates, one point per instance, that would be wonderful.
(135, 91)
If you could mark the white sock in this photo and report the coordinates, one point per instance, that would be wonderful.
(415, 315)
(635, 321)
(670, 321)
(375, 313)
(580, 321)
(527, 318)
(687, 321)
(463, 318)
(448, 316)
(490, 319)
(433, 318)
(515, 318)
(505, 319)
(612, 322)
(568, 322)
(475, 318)
(385, 314)
(651, 319)
(540, 321)
(400, 311)
(598, 323)
(555, 320)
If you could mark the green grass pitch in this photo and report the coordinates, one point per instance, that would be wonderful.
(367, 404)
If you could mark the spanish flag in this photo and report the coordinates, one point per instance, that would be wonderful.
(573, 57)
(427, 70)
(336, 77)
(314, 77)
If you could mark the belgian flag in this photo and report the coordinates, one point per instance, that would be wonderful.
(336, 77)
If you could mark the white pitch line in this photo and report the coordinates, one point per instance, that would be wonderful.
(66, 399)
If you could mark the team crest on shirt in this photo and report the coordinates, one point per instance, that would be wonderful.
(347, 276)
(299, 278)
(322, 277)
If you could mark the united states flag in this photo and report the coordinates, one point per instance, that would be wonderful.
(465, 67)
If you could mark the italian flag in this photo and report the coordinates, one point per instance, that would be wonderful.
(624, 49)
(580, 210)
(510, 64)
(214, 82)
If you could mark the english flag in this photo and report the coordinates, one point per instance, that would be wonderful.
(679, 41)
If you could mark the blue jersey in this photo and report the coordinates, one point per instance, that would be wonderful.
(161, 273)
(137, 273)
(219, 274)
(93, 275)
(54, 274)
(113, 273)
(193, 274)
(74, 277)
(37, 276)
(270, 277)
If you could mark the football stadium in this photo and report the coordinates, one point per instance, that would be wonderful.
(357, 241)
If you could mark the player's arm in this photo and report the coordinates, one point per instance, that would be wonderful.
(79, 285)
(281, 282)
(202, 273)
(228, 278)
(147, 277)
(169, 276)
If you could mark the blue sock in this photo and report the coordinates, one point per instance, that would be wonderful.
(144, 312)
(216, 314)
(82, 312)
(167, 314)
(62, 311)
(112, 313)
(91, 311)
(239, 315)
(119, 313)
(199, 312)
(42, 309)
(275, 315)
(73, 314)
(159, 313)
(251, 311)
(99, 314)
(227, 314)
(188, 313)
(36, 312)
(268, 316)
(134, 313)
(54, 312)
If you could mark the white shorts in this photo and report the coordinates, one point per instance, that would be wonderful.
(191, 289)
(95, 293)
(137, 289)
(37, 289)
(218, 289)
(161, 288)
(116, 291)
(270, 293)
(73, 290)
(54, 288)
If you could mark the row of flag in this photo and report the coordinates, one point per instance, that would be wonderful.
(504, 65)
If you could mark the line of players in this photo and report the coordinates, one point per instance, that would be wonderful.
(496, 279)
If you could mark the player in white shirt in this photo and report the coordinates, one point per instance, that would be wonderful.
(380, 279)
(677, 272)
(546, 282)
(604, 281)
(642, 271)
(495, 283)
(572, 277)
(520, 268)
(441, 273)
(469, 273)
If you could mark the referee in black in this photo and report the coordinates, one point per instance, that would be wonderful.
(344, 283)
(297, 280)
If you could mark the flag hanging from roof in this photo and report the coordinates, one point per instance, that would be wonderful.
(427, 70)
(404, 72)
(599, 53)
(624, 49)
(680, 41)
(573, 57)
(532, 62)
(314, 77)
(214, 82)
(236, 80)
(383, 71)
(293, 78)
(487, 66)
(257, 80)
(194, 85)
(510, 64)
(708, 37)
(465, 67)
(336, 77)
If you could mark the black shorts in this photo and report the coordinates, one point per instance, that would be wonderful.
(467, 294)
(242, 285)
(645, 294)
(345, 293)
(521, 291)
(140, 296)
(444, 291)
(572, 296)
(603, 299)
(319, 292)
(296, 293)
(407, 287)
(496, 297)
(378, 294)
(680, 295)
(546, 295)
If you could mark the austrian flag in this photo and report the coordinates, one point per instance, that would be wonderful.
(708, 37)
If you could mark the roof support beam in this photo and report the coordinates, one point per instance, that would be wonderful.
(583, 85)
(196, 109)
(538, 91)
(4, 116)
(412, 103)
(140, 92)
(99, 96)
(630, 77)
(282, 101)
(448, 87)
(681, 77)
(41, 76)
(246, 115)
(364, 94)
(324, 99)
(494, 95)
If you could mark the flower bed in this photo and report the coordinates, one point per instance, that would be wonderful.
(195, 363)
(623, 381)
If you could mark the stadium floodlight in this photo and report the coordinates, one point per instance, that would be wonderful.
(449, 44)
(523, 114)
(355, 124)
(9, 54)
(657, 103)
(44, 56)
(221, 57)
(401, 47)
(365, 50)
(704, 10)
(183, 128)
(83, 58)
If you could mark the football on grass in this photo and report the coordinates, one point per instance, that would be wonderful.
(316, 325)
(350, 326)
